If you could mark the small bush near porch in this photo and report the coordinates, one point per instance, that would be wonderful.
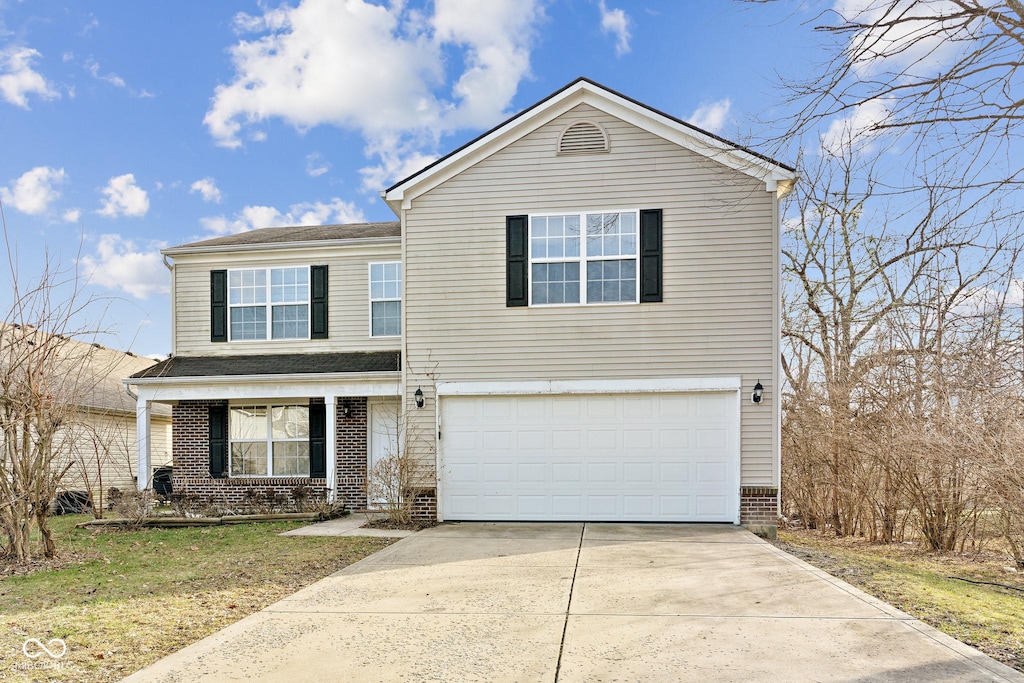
(123, 599)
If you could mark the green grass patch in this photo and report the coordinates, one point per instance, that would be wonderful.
(975, 599)
(123, 599)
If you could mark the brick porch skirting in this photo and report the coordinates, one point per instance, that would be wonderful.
(759, 505)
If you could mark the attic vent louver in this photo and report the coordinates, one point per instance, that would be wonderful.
(583, 137)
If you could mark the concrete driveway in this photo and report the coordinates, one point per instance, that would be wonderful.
(574, 602)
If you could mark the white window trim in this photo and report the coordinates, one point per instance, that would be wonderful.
(269, 441)
(583, 258)
(372, 301)
(269, 306)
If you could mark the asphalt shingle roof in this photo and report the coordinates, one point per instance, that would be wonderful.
(302, 233)
(273, 364)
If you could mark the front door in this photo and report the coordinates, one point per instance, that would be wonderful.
(384, 442)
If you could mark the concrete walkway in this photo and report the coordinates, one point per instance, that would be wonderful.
(568, 602)
(349, 525)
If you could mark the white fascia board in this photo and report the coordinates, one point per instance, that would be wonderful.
(267, 386)
(591, 386)
(612, 104)
(269, 246)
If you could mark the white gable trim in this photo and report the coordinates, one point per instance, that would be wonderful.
(583, 92)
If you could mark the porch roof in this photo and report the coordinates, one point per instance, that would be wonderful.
(273, 364)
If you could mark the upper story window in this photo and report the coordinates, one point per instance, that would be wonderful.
(268, 303)
(587, 257)
(386, 299)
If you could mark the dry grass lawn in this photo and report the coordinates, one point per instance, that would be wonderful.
(974, 599)
(123, 599)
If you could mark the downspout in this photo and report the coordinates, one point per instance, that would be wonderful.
(174, 336)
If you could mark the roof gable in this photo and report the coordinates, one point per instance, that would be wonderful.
(585, 91)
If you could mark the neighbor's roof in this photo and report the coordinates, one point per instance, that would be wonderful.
(294, 235)
(584, 90)
(273, 364)
(91, 372)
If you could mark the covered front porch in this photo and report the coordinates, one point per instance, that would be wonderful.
(304, 424)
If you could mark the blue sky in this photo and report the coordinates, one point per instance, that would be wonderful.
(130, 126)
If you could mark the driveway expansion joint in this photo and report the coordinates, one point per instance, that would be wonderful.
(568, 604)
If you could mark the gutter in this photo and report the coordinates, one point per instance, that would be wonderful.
(264, 379)
(265, 246)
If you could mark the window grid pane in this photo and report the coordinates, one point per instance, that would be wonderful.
(249, 458)
(291, 458)
(611, 281)
(289, 285)
(611, 234)
(249, 322)
(554, 237)
(387, 318)
(289, 422)
(556, 283)
(247, 287)
(290, 322)
(385, 299)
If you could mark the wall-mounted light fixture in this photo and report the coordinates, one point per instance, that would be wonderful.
(346, 410)
(758, 392)
(419, 397)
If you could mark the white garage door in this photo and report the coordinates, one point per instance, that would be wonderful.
(621, 457)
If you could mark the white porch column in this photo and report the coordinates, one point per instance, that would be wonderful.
(331, 447)
(142, 443)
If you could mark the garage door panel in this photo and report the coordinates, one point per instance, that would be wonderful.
(629, 457)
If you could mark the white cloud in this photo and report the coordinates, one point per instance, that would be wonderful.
(316, 166)
(124, 198)
(392, 88)
(113, 79)
(208, 188)
(118, 264)
(857, 129)
(712, 116)
(907, 47)
(17, 78)
(398, 160)
(309, 213)
(616, 22)
(72, 215)
(35, 190)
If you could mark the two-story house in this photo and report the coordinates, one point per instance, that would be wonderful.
(576, 317)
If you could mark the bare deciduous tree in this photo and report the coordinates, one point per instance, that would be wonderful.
(43, 375)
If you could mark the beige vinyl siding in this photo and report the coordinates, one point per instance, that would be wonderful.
(719, 300)
(104, 455)
(348, 299)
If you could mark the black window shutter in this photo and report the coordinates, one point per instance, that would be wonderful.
(318, 302)
(650, 255)
(317, 440)
(516, 261)
(218, 421)
(218, 305)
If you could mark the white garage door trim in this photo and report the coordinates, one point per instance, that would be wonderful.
(569, 387)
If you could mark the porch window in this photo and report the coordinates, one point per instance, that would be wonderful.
(269, 440)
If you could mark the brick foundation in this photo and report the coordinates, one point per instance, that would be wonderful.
(759, 506)
(191, 453)
(424, 507)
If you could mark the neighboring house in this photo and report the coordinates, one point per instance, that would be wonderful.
(570, 315)
(98, 441)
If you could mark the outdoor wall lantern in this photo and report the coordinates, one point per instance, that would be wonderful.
(419, 397)
(758, 392)
(346, 410)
